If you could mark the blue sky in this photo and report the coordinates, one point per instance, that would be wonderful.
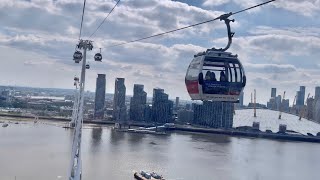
(278, 44)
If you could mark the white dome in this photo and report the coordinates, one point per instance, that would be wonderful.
(269, 120)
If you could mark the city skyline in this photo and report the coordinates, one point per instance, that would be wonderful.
(272, 49)
(247, 95)
(94, 63)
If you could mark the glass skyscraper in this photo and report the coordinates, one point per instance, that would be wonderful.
(273, 92)
(317, 93)
(301, 96)
(119, 106)
(138, 103)
(100, 96)
(214, 114)
(162, 107)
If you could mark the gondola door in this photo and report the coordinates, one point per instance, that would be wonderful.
(193, 76)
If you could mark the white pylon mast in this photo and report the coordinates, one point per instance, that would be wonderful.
(75, 104)
(76, 165)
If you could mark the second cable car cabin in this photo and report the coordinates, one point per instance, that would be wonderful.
(77, 56)
(215, 76)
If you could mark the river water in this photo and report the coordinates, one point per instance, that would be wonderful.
(40, 151)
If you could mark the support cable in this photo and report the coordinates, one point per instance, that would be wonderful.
(84, 6)
(193, 25)
(104, 19)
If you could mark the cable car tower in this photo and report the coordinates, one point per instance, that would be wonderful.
(76, 102)
(77, 118)
(228, 88)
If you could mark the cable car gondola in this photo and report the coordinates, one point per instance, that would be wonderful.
(98, 56)
(77, 56)
(216, 75)
(76, 79)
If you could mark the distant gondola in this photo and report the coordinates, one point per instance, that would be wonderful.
(98, 56)
(77, 56)
(76, 78)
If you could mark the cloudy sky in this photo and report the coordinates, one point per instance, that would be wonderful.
(278, 44)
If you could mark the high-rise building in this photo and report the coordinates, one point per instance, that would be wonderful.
(285, 105)
(6, 95)
(240, 104)
(310, 108)
(272, 103)
(316, 105)
(147, 113)
(241, 99)
(138, 103)
(100, 96)
(317, 93)
(273, 92)
(162, 107)
(316, 111)
(188, 106)
(214, 114)
(298, 101)
(278, 102)
(301, 96)
(303, 90)
(177, 103)
(119, 106)
(185, 115)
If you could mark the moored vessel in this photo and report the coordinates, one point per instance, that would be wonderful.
(142, 175)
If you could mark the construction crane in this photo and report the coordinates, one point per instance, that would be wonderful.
(255, 108)
(281, 104)
(293, 109)
(294, 100)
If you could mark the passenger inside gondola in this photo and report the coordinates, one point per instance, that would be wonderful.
(209, 83)
(223, 77)
(208, 76)
(213, 76)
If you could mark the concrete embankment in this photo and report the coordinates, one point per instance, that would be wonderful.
(231, 132)
(256, 134)
(33, 117)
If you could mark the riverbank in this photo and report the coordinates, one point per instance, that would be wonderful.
(231, 132)
(254, 134)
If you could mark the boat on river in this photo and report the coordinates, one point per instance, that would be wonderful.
(142, 175)
(146, 131)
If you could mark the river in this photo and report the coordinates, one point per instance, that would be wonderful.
(40, 151)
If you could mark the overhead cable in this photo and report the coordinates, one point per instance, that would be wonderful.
(105, 19)
(193, 25)
(84, 6)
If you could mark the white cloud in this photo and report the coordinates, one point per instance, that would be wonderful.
(240, 3)
(270, 68)
(49, 30)
(303, 7)
(37, 63)
(276, 44)
(212, 3)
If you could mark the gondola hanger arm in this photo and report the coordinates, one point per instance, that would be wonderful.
(225, 18)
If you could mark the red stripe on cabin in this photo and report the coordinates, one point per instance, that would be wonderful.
(192, 87)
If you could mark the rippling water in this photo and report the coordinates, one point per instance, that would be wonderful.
(42, 151)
